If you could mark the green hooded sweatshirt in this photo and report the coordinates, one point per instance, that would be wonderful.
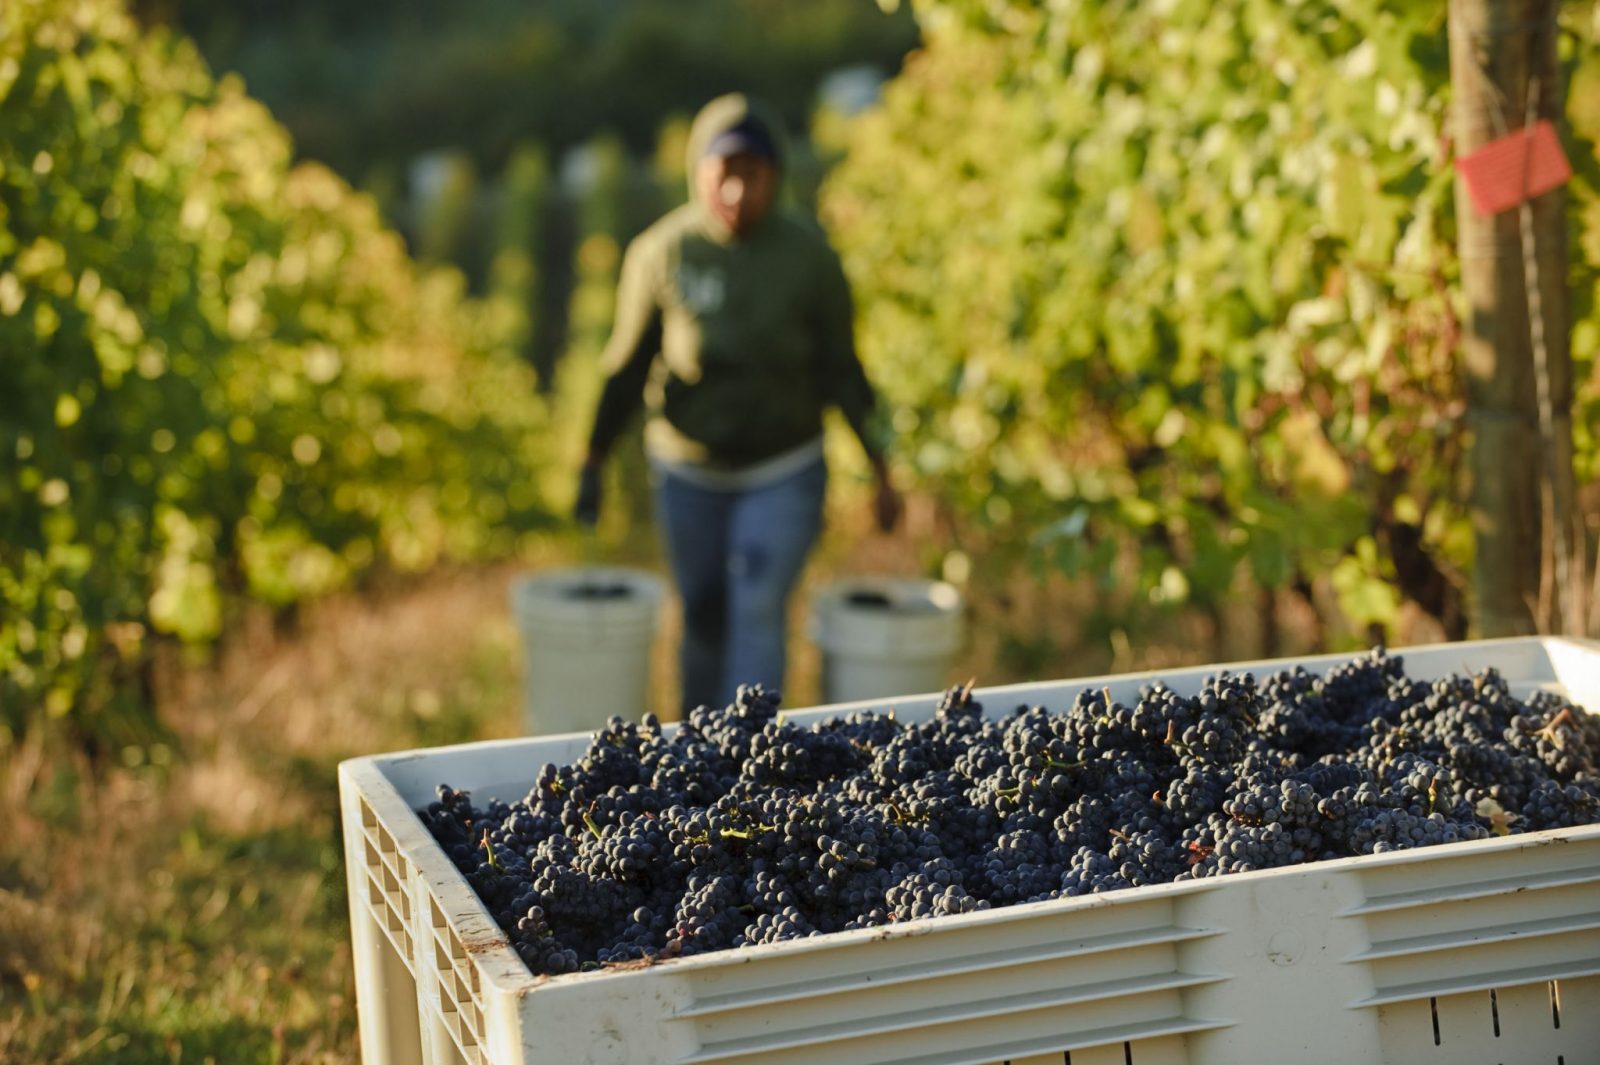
(736, 343)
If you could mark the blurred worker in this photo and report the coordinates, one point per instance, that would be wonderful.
(734, 322)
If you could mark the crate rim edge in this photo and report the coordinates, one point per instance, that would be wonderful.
(362, 779)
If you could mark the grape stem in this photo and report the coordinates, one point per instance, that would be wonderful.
(1172, 740)
(1563, 718)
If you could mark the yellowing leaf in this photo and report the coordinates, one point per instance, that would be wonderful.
(1314, 465)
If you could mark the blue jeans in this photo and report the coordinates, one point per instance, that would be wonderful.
(735, 557)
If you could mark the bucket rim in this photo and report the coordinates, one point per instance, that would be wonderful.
(551, 586)
(909, 597)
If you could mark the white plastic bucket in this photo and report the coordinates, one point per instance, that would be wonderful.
(885, 636)
(586, 636)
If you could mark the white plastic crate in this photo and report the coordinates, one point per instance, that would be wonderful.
(1482, 952)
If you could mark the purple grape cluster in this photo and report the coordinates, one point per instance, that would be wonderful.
(741, 828)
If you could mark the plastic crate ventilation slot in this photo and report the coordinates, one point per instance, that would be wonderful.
(459, 993)
(388, 884)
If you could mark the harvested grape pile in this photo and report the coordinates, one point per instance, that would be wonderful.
(742, 828)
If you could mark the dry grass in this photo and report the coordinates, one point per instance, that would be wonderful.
(189, 906)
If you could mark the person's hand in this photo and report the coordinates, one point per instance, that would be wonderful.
(886, 506)
(586, 511)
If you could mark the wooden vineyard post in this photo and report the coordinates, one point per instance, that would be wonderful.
(1504, 72)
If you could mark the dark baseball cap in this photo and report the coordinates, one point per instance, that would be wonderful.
(749, 136)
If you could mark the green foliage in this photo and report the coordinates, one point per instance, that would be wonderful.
(382, 81)
(445, 212)
(222, 375)
(514, 274)
(1169, 282)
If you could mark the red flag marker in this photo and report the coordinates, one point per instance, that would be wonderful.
(1518, 166)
